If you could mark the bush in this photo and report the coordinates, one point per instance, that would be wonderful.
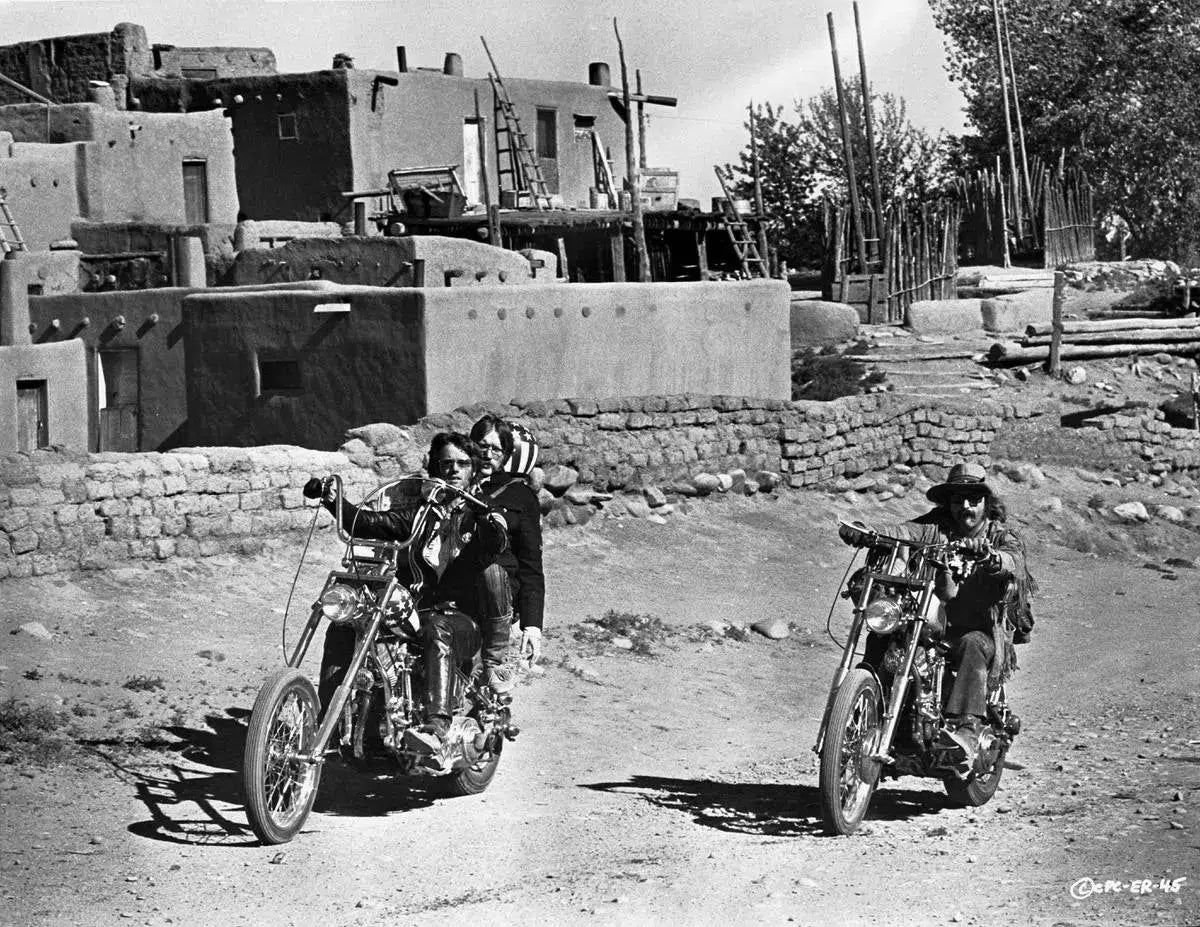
(826, 375)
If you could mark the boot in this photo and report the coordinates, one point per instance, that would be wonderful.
(497, 674)
(439, 681)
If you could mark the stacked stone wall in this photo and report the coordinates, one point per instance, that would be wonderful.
(635, 456)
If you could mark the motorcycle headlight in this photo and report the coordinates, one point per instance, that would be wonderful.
(339, 604)
(883, 615)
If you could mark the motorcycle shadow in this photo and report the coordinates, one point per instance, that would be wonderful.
(764, 809)
(372, 789)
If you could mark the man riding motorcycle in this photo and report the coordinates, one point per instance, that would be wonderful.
(456, 547)
(968, 510)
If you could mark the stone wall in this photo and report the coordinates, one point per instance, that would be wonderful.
(617, 457)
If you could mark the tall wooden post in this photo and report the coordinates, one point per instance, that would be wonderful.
(1012, 77)
(768, 267)
(1012, 157)
(484, 186)
(635, 185)
(848, 152)
(641, 110)
(869, 122)
(1053, 364)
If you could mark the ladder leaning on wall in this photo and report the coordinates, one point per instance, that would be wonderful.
(522, 169)
(753, 264)
(10, 235)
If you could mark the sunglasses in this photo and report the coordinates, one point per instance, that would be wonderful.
(968, 498)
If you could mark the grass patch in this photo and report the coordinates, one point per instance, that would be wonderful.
(144, 683)
(641, 631)
(32, 734)
(825, 374)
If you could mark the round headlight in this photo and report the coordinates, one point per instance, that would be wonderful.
(339, 604)
(883, 615)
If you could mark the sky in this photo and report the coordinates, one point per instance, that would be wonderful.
(715, 57)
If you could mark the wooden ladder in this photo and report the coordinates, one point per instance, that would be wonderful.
(739, 234)
(523, 170)
(10, 235)
(604, 177)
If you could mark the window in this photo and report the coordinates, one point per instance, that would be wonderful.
(279, 375)
(287, 126)
(195, 192)
(547, 133)
(584, 124)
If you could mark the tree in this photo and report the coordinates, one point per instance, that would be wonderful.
(1110, 85)
(800, 164)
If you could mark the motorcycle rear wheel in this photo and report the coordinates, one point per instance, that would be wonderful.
(848, 776)
(978, 789)
(280, 789)
(474, 779)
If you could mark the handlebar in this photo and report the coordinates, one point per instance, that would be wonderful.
(861, 536)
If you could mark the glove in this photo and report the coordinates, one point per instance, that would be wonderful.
(314, 488)
(531, 644)
(855, 535)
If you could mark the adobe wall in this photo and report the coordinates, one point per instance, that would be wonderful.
(61, 366)
(385, 262)
(227, 61)
(399, 354)
(40, 186)
(607, 339)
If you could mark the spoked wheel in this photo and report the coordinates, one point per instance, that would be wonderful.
(978, 788)
(280, 787)
(848, 774)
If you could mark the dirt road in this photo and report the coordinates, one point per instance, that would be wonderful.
(676, 786)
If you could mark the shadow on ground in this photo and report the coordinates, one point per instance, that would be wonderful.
(764, 809)
(185, 797)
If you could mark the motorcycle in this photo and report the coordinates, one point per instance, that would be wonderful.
(376, 709)
(884, 713)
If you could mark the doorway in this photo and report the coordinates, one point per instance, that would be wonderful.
(33, 426)
(117, 390)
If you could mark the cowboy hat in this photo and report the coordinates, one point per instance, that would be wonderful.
(963, 476)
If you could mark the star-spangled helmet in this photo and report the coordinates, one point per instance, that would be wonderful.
(524, 454)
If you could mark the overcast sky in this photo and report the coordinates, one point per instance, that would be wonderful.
(714, 56)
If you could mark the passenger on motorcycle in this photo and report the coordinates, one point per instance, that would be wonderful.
(968, 510)
(452, 555)
(516, 578)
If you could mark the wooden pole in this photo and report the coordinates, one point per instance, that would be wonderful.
(635, 186)
(1053, 362)
(485, 187)
(847, 151)
(641, 110)
(1012, 74)
(869, 122)
(1012, 157)
(758, 196)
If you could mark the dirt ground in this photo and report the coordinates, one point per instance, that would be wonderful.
(659, 779)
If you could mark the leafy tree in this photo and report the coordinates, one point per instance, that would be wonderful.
(800, 163)
(1110, 85)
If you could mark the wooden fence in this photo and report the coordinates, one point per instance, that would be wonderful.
(1059, 230)
(915, 258)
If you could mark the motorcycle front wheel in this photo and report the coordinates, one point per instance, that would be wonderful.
(280, 787)
(848, 774)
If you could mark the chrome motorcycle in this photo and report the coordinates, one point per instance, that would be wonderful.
(884, 713)
(378, 706)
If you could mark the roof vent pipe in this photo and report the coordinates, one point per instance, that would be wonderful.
(599, 75)
(401, 59)
(453, 66)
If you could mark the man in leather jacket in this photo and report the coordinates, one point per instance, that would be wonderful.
(515, 584)
(459, 543)
(968, 510)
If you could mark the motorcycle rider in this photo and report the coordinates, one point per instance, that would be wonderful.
(516, 578)
(459, 542)
(968, 510)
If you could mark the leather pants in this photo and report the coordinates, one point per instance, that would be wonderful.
(971, 655)
(450, 639)
(496, 614)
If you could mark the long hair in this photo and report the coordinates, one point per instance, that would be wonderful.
(995, 509)
(503, 430)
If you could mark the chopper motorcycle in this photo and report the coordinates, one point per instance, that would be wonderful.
(884, 713)
(377, 708)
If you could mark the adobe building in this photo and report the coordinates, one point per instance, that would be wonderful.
(302, 366)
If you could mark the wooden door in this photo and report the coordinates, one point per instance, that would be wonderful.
(33, 429)
(119, 399)
(195, 192)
